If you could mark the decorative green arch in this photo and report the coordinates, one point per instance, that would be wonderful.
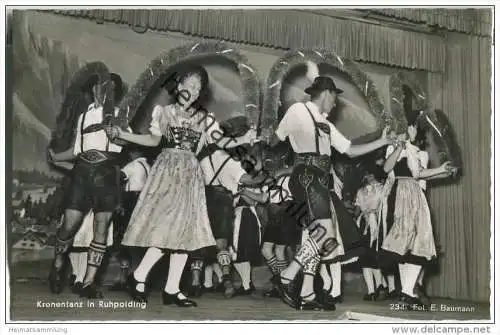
(434, 122)
(299, 57)
(396, 83)
(75, 103)
(158, 66)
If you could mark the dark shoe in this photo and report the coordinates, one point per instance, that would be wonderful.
(205, 289)
(420, 292)
(312, 305)
(169, 299)
(229, 290)
(412, 303)
(369, 297)
(272, 293)
(132, 289)
(77, 287)
(119, 287)
(195, 291)
(381, 293)
(338, 299)
(241, 290)
(286, 291)
(91, 291)
(220, 288)
(327, 300)
(393, 295)
(56, 279)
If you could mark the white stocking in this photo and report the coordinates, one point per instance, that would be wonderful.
(245, 271)
(336, 272)
(327, 280)
(409, 277)
(368, 276)
(176, 267)
(151, 257)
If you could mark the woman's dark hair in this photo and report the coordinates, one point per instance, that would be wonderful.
(185, 72)
(421, 137)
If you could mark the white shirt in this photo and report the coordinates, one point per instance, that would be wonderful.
(97, 140)
(137, 172)
(298, 126)
(230, 175)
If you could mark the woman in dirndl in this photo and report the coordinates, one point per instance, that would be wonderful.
(410, 240)
(171, 213)
(369, 201)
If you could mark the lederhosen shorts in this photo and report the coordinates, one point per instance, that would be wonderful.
(220, 211)
(95, 183)
(309, 185)
(282, 228)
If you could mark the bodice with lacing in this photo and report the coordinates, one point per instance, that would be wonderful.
(185, 138)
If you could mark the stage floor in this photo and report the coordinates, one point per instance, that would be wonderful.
(28, 299)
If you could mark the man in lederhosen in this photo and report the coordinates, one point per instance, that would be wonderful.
(224, 175)
(311, 136)
(95, 185)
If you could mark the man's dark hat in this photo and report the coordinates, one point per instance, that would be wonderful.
(323, 83)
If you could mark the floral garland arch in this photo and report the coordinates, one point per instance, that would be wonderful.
(299, 57)
(396, 83)
(158, 66)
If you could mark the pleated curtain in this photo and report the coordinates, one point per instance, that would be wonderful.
(462, 211)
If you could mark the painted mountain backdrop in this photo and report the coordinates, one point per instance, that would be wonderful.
(42, 71)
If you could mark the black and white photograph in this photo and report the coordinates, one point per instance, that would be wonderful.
(250, 165)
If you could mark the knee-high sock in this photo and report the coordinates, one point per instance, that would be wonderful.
(409, 277)
(368, 276)
(61, 249)
(176, 267)
(151, 257)
(209, 276)
(310, 269)
(336, 273)
(224, 261)
(196, 268)
(377, 274)
(281, 264)
(325, 275)
(391, 283)
(272, 263)
(95, 255)
(280, 252)
(217, 271)
(245, 271)
(306, 253)
(307, 291)
(81, 267)
(73, 259)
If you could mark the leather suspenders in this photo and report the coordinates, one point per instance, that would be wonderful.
(316, 129)
(219, 170)
(83, 130)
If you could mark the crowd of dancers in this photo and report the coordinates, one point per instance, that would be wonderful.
(218, 199)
